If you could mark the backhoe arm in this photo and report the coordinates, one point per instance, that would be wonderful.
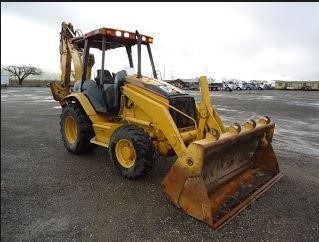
(69, 53)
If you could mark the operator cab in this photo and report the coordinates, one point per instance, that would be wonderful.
(104, 91)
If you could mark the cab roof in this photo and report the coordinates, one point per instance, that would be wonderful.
(114, 38)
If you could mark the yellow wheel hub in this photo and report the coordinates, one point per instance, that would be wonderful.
(125, 153)
(71, 130)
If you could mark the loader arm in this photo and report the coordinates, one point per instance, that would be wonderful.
(208, 117)
(225, 169)
(159, 114)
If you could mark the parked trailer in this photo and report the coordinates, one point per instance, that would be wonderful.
(215, 86)
(297, 85)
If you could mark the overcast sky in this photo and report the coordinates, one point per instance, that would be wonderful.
(233, 40)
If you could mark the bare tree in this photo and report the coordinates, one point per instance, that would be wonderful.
(22, 72)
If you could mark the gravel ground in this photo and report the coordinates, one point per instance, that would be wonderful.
(48, 194)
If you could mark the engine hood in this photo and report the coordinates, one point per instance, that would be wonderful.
(160, 87)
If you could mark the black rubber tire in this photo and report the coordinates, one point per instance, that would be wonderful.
(143, 146)
(85, 130)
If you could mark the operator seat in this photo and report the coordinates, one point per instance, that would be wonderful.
(108, 88)
(119, 81)
(113, 92)
(106, 99)
(107, 77)
(93, 92)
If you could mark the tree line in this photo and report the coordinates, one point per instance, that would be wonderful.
(22, 72)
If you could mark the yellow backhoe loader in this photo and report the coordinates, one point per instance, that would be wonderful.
(219, 169)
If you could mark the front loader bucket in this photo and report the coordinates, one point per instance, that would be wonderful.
(218, 177)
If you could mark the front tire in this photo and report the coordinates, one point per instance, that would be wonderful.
(76, 129)
(132, 151)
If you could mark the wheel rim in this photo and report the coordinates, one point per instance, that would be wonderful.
(125, 153)
(71, 130)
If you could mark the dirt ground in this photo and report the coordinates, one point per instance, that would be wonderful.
(50, 194)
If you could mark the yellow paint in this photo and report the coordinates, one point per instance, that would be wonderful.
(213, 120)
(69, 54)
(71, 130)
(125, 153)
(147, 109)
(158, 113)
(103, 128)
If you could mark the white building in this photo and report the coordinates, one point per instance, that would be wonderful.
(4, 80)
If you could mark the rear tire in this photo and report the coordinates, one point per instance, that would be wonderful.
(76, 129)
(132, 151)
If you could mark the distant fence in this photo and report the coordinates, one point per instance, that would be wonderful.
(29, 83)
